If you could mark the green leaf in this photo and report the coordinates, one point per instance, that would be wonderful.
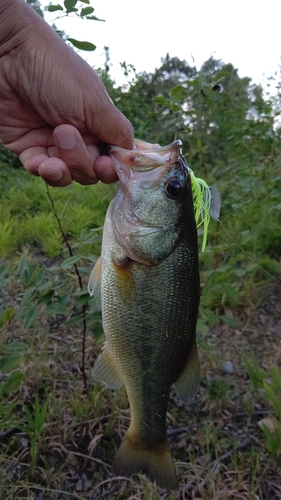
(175, 108)
(56, 308)
(3, 271)
(45, 287)
(54, 268)
(84, 299)
(64, 299)
(222, 268)
(7, 316)
(70, 261)
(28, 415)
(75, 319)
(90, 239)
(56, 286)
(39, 414)
(53, 8)
(256, 375)
(78, 292)
(273, 398)
(10, 362)
(84, 270)
(3, 276)
(97, 330)
(92, 258)
(233, 322)
(178, 91)
(7, 419)
(277, 161)
(220, 75)
(30, 317)
(13, 383)
(16, 346)
(70, 5)
(27, 294)
(3, 282)
(82, 45)
(86, 11)
(46, 298)
(94, 18)
(276, 374)
(275, 193)
(162, 100)
(240, 272)
(202, 327)
(96, 315)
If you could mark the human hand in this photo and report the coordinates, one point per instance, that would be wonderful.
(54, 110)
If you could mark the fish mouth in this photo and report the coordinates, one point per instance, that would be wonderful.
(145, 156)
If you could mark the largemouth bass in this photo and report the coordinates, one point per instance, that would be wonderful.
(148, 275)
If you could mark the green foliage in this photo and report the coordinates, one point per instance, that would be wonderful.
(270, 390)
(12, 355)
(254, 371)
(88, 46)
(78, 9)
(35, 420)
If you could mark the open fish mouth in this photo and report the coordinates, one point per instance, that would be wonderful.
(147, 156)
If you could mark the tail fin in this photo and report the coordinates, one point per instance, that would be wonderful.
(134, 457)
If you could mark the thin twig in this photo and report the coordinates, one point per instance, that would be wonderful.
(181, 430)
(8, 433)
(79, 278)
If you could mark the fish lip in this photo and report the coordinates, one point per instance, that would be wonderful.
(144, 160)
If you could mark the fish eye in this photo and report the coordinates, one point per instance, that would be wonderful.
(173, 188)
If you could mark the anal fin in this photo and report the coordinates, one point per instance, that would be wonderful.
(105, 369)
(188, 382)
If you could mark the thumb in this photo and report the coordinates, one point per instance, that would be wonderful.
(104, 119)
(115, 129)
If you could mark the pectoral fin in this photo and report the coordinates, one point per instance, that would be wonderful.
(94, 284)
(188, 383)
(105, 369)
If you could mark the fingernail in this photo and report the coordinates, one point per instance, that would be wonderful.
(66, 139)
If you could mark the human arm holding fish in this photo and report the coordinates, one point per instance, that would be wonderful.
(55, 112)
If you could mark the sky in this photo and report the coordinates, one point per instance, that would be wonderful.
(246, 33)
